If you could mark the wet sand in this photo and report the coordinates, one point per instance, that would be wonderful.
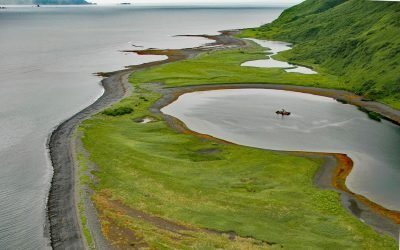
(62, 202)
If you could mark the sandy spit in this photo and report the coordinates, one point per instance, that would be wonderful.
(62, 211)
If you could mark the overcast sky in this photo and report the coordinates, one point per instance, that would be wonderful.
(205, 2)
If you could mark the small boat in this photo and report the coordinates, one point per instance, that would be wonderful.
(282, 112)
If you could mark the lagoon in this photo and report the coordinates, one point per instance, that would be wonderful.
(317, 124)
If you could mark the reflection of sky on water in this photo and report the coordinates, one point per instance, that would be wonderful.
(317, 124)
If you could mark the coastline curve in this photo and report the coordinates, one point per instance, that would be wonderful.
(62, 213)
(61, 204)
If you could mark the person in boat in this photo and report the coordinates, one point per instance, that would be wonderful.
(282, 112)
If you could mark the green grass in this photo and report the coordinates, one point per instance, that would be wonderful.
(372, 115)
(224, 67)
(84, 180)
(256, 193)
(356, 40)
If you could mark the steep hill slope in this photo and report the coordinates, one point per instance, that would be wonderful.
(358, 40)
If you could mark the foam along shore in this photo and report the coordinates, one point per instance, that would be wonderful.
(273, 48)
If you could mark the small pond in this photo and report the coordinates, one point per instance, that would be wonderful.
(274, 47)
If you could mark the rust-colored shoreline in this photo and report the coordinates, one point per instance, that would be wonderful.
(384, 220)
(343, 169)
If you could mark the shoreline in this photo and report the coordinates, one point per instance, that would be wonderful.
(63, 218)
(332, 173)
(62, 213)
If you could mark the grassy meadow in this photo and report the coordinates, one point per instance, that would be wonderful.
(196, 193)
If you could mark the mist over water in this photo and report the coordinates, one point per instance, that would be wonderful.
(47, 60)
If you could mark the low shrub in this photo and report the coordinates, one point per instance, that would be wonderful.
(372, 115)
(118, 111)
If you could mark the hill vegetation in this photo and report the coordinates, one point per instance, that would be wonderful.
(357, 40)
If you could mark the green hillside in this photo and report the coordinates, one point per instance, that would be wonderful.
(357, 40)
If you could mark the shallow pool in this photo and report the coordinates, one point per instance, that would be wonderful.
(274, 47)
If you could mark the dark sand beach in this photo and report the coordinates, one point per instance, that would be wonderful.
(62, 211)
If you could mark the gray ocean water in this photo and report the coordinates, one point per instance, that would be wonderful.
(47, 59)
(317, 124)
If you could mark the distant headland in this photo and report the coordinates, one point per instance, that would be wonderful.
(42, 2)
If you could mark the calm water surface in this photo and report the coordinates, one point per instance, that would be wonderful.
(274, 47)
(47, 57)
(317, 124)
